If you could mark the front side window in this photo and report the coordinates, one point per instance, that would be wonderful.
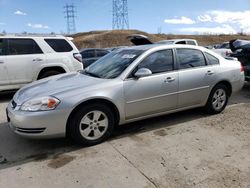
(59, 45)
(113, 64)
(190, 58)
(158, 62)
(181, 42)
(22, 47)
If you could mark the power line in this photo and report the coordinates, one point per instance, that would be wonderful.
(120, 14)
(70, 15)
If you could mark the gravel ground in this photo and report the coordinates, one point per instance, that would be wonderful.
(187, 149)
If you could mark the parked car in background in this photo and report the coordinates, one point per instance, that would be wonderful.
(179, 41)
(223, 49)
(126, 85)
(241, 51)
(90, 55)
(144, 40)
(24, 59)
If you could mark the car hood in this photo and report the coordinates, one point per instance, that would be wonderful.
(56, 85)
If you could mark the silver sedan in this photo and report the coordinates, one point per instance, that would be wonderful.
(126, 85)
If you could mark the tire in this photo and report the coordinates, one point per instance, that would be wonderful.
(48, 74)
(217, 100)
(86, 129)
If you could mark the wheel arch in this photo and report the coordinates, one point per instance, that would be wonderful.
(106, 102)
(227, 84)
(52, 68)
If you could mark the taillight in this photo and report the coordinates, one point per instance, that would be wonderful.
(78, 57)
(228, 53)
(241, 68)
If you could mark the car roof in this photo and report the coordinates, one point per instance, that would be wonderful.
(28, 36)
(167, 46)
(84, 49)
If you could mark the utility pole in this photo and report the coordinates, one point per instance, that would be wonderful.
(120, 14)
(70, 15)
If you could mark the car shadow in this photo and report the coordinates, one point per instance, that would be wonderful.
(6, 96)
(15, 150)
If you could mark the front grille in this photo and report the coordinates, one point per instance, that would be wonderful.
(30, 131)
(13, 104)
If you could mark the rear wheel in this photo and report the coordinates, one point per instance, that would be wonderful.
(48, 74)
(92, 124)
(217, 100)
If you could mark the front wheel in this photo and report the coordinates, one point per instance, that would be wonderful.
(217, 100)
(92, 124)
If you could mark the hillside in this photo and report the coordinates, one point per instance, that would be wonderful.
(103, 39)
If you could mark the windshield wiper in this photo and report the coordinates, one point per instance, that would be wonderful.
(91, 74)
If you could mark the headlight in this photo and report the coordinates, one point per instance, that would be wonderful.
(40, 104)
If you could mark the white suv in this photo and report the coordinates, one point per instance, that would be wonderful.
(24, 59)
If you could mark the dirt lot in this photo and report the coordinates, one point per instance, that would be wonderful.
(187, 149)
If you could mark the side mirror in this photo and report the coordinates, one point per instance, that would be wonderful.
(143, 72)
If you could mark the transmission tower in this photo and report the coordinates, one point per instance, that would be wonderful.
(120, 14)
(70, 15)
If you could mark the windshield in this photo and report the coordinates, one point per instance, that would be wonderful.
(113, 64)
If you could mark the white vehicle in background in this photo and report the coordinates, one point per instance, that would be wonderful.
(223, 49)
(26, 58)
(137, 40)
(179, 41)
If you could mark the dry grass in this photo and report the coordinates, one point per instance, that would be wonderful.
(103, 39)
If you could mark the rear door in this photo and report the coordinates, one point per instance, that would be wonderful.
(23, 55)
(195, 77)
(4, 79)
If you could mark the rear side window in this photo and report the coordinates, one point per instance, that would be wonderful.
(189, 58)
(2, 48)
(158, 62)
(211, 60)
(22, 47)
(190, 42)
(88, 54)
(59, 45)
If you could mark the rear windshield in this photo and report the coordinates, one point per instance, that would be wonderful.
(59, 45)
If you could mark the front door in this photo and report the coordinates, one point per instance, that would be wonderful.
(156, 93)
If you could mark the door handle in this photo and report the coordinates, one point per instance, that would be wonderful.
(38, 59)
(170, 79)
(210, 72)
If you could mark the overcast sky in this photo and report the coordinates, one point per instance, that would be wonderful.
(167, 16)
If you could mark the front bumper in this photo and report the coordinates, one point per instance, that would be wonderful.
(43, 124)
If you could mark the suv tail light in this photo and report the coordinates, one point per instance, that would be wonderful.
(78, 57)
(241, 68)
